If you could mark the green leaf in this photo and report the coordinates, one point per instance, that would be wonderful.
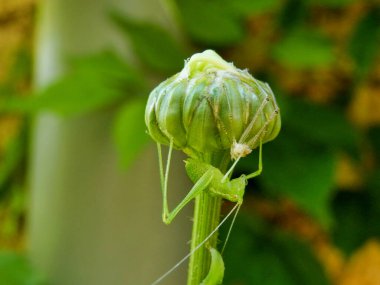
(129, 131)
(216, 272)
(356, 215)
(373, 185)
(11, 160)
(350, 214)
(303, 49)
(153, 45)
(210, 22)
(292, 15)
(302, 171)
(319, 123)
(331, 3)
(249, 7)
(16, 270)
(374, 138)
(93, 82)
(258, 254)
(20, 70)
(365, 42)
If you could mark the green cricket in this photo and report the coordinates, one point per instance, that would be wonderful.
(216, 114)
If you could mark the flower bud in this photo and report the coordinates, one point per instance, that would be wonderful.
(212, 106)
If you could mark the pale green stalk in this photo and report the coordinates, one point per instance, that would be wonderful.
(206, 219)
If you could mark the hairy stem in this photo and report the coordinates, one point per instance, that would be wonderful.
(206, 219)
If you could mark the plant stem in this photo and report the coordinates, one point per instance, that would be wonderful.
(206, 219)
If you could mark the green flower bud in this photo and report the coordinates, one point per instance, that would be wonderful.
(212, 106)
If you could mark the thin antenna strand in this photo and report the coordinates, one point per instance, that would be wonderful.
(230, 228)
(196, 248)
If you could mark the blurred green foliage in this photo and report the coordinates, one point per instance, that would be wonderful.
(299, 166)
(303, 48)
(93, 82)
(128, 133)
(10, 163)
(308, 179)
(16, 270)
(270, 257)
(365, 42)
(164, 56)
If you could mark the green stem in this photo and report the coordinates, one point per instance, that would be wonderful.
(206, 219)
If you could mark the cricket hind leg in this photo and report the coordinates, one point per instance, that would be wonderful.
(199, 186)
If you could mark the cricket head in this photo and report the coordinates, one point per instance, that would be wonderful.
(238, 186)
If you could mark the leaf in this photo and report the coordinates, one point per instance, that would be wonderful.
(293, 14)
(93, 82)
(356, 216)
(303, 49)
(318, 123)
(374, 138)
(20, 70)
(14, 80)
(216, 272)
(332, 3)
(249, 7)
(11, 160)
(129, 131)
(210, 23)
(373, 185)
(152, 44)
(302, 171)
(365, 42)
(16, 270)
(270, 257)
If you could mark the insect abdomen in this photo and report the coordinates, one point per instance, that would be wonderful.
(195, 170)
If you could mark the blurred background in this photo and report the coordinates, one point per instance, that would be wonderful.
(79, 190)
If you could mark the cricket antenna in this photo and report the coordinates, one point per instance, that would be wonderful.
(157, 281)
(230, 228)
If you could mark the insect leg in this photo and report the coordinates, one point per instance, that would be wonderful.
(258, 172)
(228, 173)
(199, 186)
